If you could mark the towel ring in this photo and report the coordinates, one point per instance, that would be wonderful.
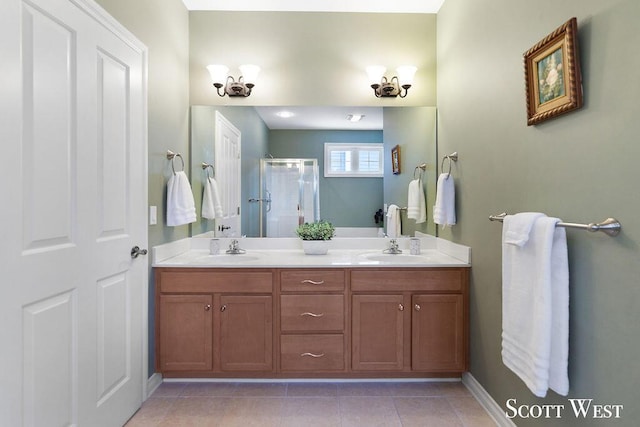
(451, 157)
(422, 168)
(172, 156)
(206, 166)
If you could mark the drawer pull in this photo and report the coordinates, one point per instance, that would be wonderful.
(311, 314)
(312, 282)
(312, 355)
(401, 307)
(223, 308)
(207, 307)
(417, 307)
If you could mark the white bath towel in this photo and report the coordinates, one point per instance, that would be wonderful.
(180, 204)
(394, 228)
(211, 206)
(416, 206)
(444, 210)
(535, 305)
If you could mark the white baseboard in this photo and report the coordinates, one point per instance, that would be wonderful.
(153, 383)
(493, 409)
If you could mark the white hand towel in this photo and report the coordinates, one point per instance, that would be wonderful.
(535, 312)
(393, 221)
(211, 206)
(416, 206)
(444, 210)
(516, 228)
(180, 204)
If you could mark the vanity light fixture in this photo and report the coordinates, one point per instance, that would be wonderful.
(242, 87)
(383, 87)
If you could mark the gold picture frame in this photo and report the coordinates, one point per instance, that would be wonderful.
(395, 160)
(552, 75)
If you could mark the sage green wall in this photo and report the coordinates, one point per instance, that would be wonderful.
(581, 167)
(163, 26)
(312, 58)
(254, 145)
(346, 202)
(414, 131)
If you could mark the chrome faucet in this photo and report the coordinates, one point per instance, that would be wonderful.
(393, 248)
(234, 248)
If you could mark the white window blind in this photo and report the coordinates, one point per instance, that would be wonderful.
(353, 160)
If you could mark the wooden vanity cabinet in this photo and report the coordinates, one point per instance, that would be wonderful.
(410, 320)
(312, 322)
(212, 321)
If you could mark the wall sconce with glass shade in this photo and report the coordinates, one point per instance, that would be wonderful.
(242, 87)
(396, 86)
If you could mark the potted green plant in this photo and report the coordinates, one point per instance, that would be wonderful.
(315, 236)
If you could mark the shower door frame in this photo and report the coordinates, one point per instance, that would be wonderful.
(265, 195)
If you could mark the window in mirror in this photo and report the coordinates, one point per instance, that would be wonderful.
(353, 160)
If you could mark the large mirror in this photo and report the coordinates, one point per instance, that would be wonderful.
(350, 203)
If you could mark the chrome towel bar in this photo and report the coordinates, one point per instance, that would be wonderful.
(609, 226)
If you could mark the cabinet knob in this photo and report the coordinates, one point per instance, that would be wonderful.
(223, 308)
(313, 282)
(417, 307)
(207, 307)
(401, 307)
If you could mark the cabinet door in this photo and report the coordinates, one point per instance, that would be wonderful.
(438, 333)
(246, 332)
(377, 334)
(186, 333)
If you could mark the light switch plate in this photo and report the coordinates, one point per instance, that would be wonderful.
(153, 215)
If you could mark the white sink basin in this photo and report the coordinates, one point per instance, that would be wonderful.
(396, 258)
(225, 259)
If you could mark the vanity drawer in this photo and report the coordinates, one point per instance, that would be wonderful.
(300, 313)
(209, 281)
(431, 279)
(312, 352)
(312, 280)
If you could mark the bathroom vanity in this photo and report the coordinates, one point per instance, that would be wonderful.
(353, 313)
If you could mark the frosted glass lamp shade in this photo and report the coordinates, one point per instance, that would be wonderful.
(249, 73)
(406, 73)
(375, 73)
(218, 73)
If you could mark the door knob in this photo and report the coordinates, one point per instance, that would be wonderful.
(135, 251)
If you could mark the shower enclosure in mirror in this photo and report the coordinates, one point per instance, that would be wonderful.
(289, 195)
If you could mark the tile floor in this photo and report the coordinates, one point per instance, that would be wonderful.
(296, 404)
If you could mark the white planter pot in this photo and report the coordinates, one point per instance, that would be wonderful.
(315, 247)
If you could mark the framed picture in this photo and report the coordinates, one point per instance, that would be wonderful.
(552, 74)
(395, 160)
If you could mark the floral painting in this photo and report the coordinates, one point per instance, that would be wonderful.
(550, 77)
(552, 74)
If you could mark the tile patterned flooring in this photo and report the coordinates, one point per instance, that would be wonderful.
(295, 404)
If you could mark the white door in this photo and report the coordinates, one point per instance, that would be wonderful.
(227, 159)
(73, 132)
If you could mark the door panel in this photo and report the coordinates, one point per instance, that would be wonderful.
(74, 126)
(228, 176)
(246, 331)
(377, 333)
(437, 333)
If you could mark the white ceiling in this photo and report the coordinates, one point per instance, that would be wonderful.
(326, 118)
(377, 6)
